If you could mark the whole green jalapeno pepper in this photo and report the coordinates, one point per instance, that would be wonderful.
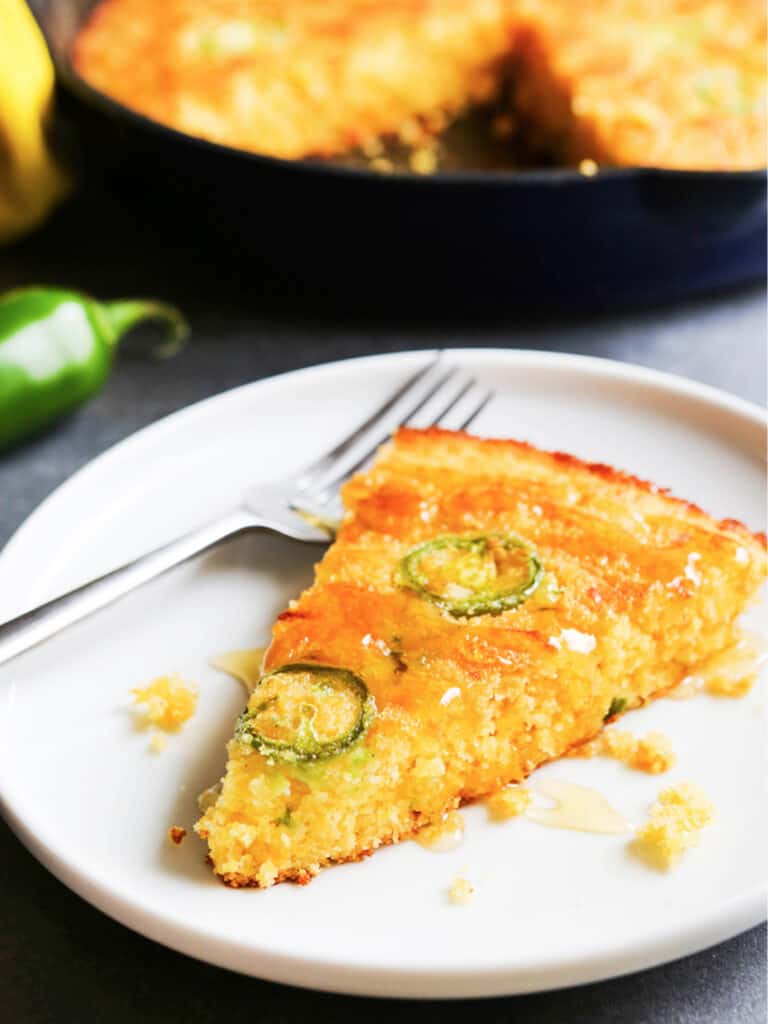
(57, 348)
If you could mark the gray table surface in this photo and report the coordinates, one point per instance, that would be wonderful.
(61, 960)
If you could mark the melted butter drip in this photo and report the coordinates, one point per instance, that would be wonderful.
(689, 687)
(445, 835)
(732, 672)
(245, 666)
(576, 807)
(330, 526)
(209, 796)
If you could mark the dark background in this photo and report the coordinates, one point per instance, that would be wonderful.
(61, 960)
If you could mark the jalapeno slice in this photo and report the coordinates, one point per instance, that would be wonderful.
(477, 574)
(305, 712)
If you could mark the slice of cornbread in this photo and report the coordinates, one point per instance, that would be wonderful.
(659, 83)
(621, 590)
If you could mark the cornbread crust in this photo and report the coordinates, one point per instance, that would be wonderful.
(534, 681)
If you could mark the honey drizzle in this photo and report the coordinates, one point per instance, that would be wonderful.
(576, 807)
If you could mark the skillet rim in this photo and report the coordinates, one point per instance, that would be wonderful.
(544, 176)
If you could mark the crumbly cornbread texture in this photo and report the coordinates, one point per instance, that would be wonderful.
(508, 803)
(166, 703)
(293, 78)
(667, 83)
(673, 824)
(461, 892)
(467, 706)
(651, 753)
(660, 83)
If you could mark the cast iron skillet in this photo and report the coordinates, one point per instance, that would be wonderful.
(541, 238)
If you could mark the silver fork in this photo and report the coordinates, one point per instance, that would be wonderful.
(441, 393)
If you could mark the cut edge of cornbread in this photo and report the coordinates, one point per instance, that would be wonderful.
(629, 84)
(409, 770)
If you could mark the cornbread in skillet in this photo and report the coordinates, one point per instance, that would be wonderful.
(632, 589)
(665, 83)
(659, 83)
(293, 78)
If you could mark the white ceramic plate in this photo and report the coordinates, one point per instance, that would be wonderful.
(553, 908)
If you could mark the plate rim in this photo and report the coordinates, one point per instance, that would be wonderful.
(615, 369)
(372, 980)
(727, 919)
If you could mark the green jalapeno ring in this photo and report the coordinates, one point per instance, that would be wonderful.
(484, 601)
(307, 746)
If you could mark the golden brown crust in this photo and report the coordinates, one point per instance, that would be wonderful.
(407, 435)
(303, 876)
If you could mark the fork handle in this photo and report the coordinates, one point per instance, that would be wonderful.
(36, 625)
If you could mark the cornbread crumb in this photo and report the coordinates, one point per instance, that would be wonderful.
(444, 835)
(673, 824)
(371, 147)
(652, 753)
(167, 702)
(618, 744)
(382, 164)
(588, 168)
(508, 803)
(461, 892)
(423, 160)
(158, 743)
(721, 686)
(176, 834)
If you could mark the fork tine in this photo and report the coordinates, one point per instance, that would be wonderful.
(336, 473)
(477, 409)
(328, 460)
(330, 482)
(454, 401)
